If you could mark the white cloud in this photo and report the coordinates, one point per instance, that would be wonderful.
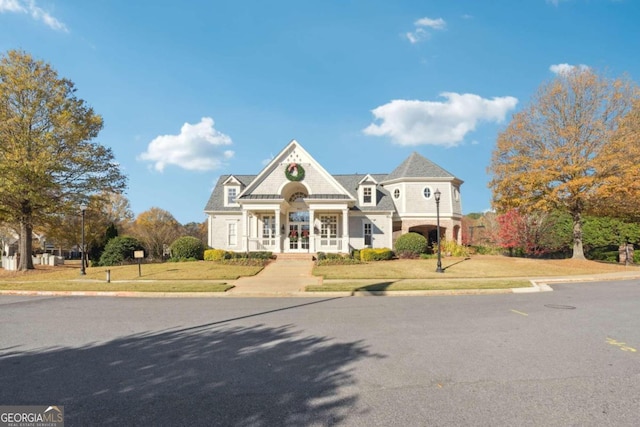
(36, 12)
(422, 25)
(11, 6)
(566, 68)
(197, 147)
(413, 122)
(436, 24)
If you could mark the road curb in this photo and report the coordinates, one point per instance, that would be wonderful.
(537, 285)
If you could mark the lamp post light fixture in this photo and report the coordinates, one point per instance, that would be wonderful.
(83, 272)
(437, 194)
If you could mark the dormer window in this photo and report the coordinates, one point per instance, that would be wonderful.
(231, 195)
(367, 191)
(366, 195)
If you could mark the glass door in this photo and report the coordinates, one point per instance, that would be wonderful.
(298, 231)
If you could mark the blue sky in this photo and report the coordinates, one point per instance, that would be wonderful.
(193, 90)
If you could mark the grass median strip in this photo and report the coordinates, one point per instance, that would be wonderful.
(88, 286)
(419, 285)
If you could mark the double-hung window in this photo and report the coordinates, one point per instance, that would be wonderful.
(366, 195)
(232, 192)
(367, 233)
(232, 234)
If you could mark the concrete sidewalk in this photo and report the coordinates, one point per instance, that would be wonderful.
(280, 278)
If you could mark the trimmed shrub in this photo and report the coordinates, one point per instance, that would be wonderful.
(339, 261)
(355, 254)
(215, 255)
(222, 255)
(321, 256)
(260, 255)
(378, 254)
(252, 262)
(187, 247)
(452, 248)
(120, 250)
(411, 245)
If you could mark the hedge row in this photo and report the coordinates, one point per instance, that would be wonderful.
(221, 255)
(378, 254)
(357, 256)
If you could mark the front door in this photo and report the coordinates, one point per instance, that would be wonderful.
(299, 231)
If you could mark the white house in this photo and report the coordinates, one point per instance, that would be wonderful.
(295, 205)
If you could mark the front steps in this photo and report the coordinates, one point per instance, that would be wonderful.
(295, 256)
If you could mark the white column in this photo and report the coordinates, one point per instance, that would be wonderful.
(278, 232)
(246, 217)
(345, 230)
(312, 234)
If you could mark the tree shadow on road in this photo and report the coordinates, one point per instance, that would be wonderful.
(208, 375)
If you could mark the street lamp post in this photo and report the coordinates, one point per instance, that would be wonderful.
(83, 272)
(437, 196)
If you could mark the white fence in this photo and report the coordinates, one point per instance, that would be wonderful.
(11, 262)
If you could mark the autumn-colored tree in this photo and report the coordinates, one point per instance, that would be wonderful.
(48, 162)
(156, 229)
(526, 233)
(107, 214)
(564, 151)
(196, 229)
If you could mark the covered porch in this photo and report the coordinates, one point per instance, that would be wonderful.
(297, 228)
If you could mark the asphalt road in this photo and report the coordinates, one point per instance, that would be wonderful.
(568, 357)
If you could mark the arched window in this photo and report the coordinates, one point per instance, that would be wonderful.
(297, 197)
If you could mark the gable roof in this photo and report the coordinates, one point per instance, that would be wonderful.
(417, 166)
(216, 200)
(293, 147)
(383, 198)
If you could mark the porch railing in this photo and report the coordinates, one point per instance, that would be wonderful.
(262, 244)
(270, 244)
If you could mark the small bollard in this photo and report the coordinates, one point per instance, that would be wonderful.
(108, 276)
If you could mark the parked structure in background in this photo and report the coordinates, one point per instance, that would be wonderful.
(295, 205)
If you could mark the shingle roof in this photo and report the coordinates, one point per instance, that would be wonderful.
(417, 166)
(383, 198)
(216, 200)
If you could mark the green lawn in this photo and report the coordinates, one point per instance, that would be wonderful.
(477, 272)
(75, 286)
(200, 276)
(418, 285)
(478, 266)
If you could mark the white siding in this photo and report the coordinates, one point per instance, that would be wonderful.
(218, 230)
(313, 180)
(381, 227)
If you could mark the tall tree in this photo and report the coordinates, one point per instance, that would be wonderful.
(156, 229)
(562, 152)
(196, 229)
(48, 162)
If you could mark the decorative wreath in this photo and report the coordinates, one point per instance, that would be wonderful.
(294, 172)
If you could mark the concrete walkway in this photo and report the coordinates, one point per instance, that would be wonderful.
(285, 277)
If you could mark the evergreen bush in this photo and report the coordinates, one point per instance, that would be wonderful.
(187, 247)
(120, 250)
(378, 254)
(411, 245)
(215, 255)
